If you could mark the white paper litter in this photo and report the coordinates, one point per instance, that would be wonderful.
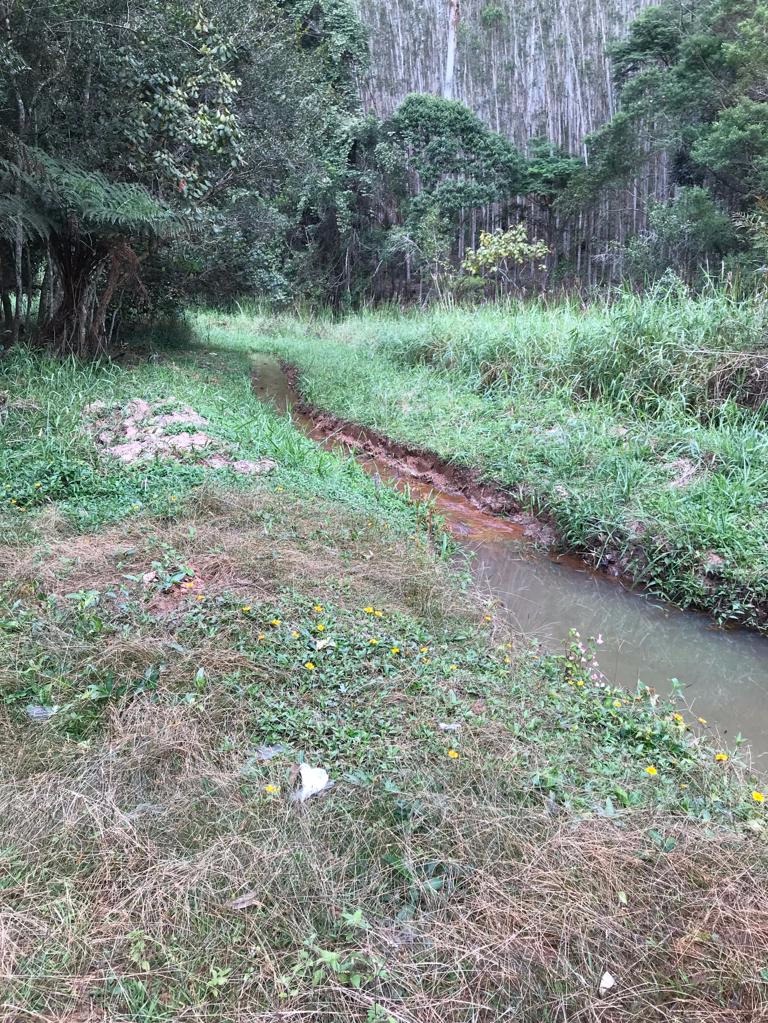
(607, 983)
(312, 781)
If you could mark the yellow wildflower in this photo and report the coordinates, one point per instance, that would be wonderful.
(38, 485)
(453, 754)
(650, 769)
(721, 758)
(758, 797)
(702, 721)
(617, 704)
(423, 649)
(310, 666)
(378, 614)
(368, 610)
(319, 608)
(246, 609)
(454, 667)
(678, 719)
(275, 623)
(507, 659)
(488, 618)
(374, 642)
(272, 790)
(395, 650)
(320, 627)
(295, 634)
(199, 598)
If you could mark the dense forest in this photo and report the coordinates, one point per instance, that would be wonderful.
(158, 153)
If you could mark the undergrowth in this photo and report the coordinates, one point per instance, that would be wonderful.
(503, 827)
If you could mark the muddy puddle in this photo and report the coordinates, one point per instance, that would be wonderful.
(724, 673)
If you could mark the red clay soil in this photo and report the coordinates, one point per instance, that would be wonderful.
(428, 471)
(423, 467)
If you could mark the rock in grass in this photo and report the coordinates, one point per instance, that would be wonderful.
(607, 984)
(312, 781)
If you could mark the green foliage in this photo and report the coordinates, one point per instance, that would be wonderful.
(492, 15)
(61, 195)
(735, 147)
(654, 38)
(693, 80)
(459, 160)
(689, 230)
(501, 250)
(333, 32)
(585, 416)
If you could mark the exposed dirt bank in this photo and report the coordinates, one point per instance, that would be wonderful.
(419, 466)
(626, 563)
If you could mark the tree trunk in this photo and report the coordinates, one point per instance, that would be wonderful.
(18, 257)
(7, 315)
(45, 306)
(454, 16)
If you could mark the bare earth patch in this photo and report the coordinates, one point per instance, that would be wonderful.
(685, 472)
(140, 431)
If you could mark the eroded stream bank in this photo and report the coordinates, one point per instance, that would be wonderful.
(725, 672)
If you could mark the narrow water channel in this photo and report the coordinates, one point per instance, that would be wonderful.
(724, 673)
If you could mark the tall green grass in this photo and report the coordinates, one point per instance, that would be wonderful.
(637, 424)
(49, 460)
(637, 351)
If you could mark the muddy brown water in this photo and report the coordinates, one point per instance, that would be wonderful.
(724, 672)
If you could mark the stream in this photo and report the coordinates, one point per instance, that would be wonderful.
(724, 672)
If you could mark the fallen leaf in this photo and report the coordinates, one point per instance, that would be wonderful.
(36, 712)
(244, 901)
(266, 753)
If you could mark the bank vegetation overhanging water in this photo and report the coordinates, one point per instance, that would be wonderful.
(635, 430)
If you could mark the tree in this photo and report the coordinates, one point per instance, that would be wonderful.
(454, 17)
(110, 112)
(501, 251)
(92, 228)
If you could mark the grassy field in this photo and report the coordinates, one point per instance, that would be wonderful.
(176, 639)
(637, 428)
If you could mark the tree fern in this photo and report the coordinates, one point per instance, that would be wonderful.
(53, 191)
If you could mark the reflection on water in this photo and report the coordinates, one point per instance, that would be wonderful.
(725, 674)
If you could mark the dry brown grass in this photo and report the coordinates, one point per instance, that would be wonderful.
(145, 836)
(238, 543)
(484, 900)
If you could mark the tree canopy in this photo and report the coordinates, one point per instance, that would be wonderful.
(155, 153)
